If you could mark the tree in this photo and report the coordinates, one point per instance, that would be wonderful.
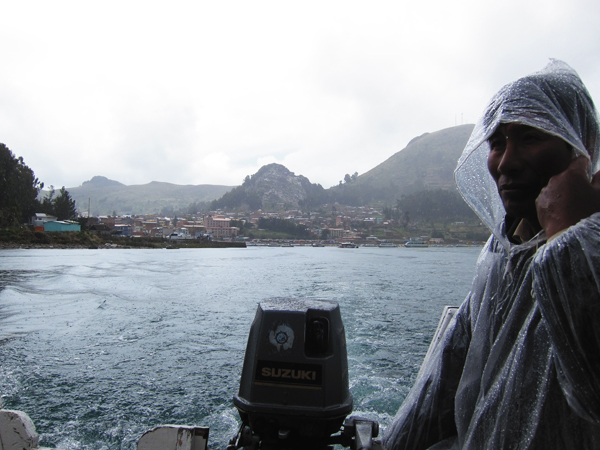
(61, 206)
(284, 226)
(167, 211)
(19, 189)
(390, 213)
(241, 225)
(47, 205)
(64, 206)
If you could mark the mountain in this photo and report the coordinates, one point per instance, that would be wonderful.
(108, 196)
(101, 182)
(427, 163)
(273, 187)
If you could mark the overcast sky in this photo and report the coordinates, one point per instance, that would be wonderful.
(208, 92)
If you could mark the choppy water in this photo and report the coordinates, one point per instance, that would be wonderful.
(98, 346)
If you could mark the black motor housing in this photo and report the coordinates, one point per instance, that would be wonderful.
(294, 385)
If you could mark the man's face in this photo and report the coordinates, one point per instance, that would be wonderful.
(522, 160)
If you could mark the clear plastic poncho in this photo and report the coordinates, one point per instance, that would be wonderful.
(519, 364)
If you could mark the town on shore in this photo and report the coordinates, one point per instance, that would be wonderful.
(334, 225)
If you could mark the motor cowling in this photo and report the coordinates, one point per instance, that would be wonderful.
(294, 388)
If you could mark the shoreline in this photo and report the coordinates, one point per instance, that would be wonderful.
(107, 246)
(26, 239)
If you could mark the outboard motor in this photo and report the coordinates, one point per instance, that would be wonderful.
(294, 388)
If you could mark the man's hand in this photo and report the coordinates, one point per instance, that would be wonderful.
(568, 198)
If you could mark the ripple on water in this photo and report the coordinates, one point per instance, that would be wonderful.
(100, 346)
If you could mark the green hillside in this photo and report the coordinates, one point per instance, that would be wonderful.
(108, 196)
(427, 163)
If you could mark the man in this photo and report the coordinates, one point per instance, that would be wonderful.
(519, 365)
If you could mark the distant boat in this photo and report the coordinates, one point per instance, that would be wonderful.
(387, 244)
(318, 244)
(348, 245)
(416, 243)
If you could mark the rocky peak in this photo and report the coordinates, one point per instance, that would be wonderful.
(100, 181)
(278, 187)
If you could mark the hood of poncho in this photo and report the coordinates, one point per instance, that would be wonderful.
(554, 100)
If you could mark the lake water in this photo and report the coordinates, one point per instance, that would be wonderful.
(98, 346)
